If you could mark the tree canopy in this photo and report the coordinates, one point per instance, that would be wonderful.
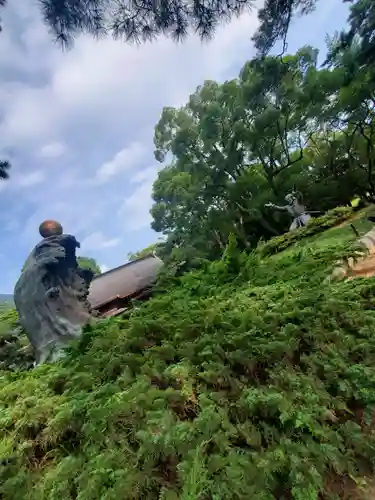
(90, 264)
(361, 34)
(283, 124)
(149, 250)
(144, 20)
(4, 169)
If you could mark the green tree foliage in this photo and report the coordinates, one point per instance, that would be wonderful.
(4, 164)
(90, 264)
(2, 4)
(361, 32)
(283, 124)
(152, 249)
(4, 169)
(252, 378)
(275, 17)
(15, 350)
(143, 21)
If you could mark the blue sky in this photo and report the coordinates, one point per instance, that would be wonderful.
(78, 126)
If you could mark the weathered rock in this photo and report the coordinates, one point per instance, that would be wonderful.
(51, 296)
(362, 263)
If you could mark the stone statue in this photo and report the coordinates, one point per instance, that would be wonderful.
(51, 293)
(295, 209)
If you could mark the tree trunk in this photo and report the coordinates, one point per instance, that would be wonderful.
(264, 222)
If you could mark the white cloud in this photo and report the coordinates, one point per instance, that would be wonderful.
(99, 101)
(126, 159)
(144, 175)
(64, 208)
(104, 268)
(135, 210)
(11, 225)
(109, 85)
(97, 241)
(27, 118)
(29, 180)
(52, 150)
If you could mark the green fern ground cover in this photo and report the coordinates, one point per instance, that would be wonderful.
(251, 379)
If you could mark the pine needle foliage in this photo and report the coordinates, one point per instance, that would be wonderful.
(251, 378)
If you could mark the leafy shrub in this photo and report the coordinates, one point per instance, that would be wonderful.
(15, 351)
(315, 226)
(251, 382)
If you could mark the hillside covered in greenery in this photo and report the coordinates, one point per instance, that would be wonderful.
(252, 377)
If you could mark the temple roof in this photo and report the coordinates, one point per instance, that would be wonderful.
(124, 281)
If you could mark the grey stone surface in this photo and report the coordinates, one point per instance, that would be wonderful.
(295, 208)
(51, 296)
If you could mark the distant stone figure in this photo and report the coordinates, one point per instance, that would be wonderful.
(51, 293)
(295, 209)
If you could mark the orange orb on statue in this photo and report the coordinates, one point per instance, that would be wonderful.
(50, 228)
